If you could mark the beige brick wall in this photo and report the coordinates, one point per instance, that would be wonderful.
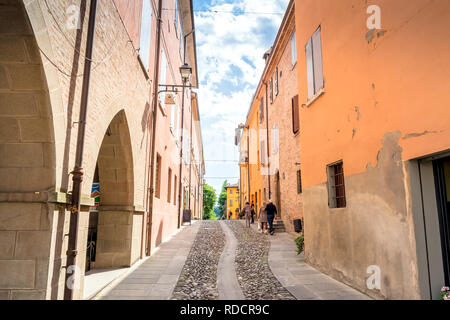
(41, 72)
(40, 88)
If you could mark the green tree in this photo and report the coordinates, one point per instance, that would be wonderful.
(209, 200)
(223, 199)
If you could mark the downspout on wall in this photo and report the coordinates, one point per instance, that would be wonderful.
(77, 173)
(151, 170)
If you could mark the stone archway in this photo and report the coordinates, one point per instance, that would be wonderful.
(27, 162)
(119, 228)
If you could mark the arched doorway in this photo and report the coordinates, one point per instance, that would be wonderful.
(114, 226)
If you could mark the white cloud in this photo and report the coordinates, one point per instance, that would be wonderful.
(224, 42)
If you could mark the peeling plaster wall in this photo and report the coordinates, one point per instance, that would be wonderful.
(374, 228)
(385, 102)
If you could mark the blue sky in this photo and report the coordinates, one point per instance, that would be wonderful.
(230, 47)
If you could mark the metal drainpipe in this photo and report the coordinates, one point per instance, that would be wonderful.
(190, 158)
(180, 185)
(77, 173)
(268, 145)
(182, 129)
(151, 170)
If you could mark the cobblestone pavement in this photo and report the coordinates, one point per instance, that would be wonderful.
(198, 279)
(252, 267)
(213, 260)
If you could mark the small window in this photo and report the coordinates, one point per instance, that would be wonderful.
(231, 203)
(169, 185)
(314, 68)
(158, 177)
(276, 81)
(295, 115)
(271, 90)
(336, 186)
(294, 48)
(299, 182)
(231, 191)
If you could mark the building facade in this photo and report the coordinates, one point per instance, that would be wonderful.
(233, 201)
(275, 134)
(375, 144)
(250, 163)
(42, 56)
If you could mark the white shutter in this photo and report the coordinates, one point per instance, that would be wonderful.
(294, 48)
(317, 58)
(310, 69)
(275, 141)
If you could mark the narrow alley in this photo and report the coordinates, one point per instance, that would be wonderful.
(224, 150)
(193, 265)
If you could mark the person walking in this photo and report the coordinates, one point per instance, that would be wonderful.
(248, 214)
(230, 214)
(262, 218)
(253, 213)
(271, 210)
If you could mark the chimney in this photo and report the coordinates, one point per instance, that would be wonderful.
(267, 54)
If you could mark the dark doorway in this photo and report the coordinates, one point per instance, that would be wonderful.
(93, 223)
(442, 175)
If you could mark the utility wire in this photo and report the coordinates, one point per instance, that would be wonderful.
(233, 12)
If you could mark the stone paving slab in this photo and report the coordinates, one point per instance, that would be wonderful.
(227, 282)
(300, 279)
(156, 278)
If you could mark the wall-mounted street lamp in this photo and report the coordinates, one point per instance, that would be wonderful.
(186, 71)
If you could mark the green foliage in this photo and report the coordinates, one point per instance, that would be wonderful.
(223, 198)
(209, 200)
(299, 241)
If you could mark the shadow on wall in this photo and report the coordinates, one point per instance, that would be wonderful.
(159, 236)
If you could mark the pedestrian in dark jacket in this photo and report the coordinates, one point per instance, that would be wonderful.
(271, 210)
(253, 213)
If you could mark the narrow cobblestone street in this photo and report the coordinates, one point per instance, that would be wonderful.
(222, 260)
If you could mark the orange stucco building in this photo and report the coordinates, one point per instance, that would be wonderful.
(375, 120)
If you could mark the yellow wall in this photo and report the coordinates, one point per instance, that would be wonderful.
(255, 164)
(233, 195)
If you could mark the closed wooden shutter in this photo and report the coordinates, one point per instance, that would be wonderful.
(276, 81)
(295, 115)
(261, 110)
(271, 90)
(299, 182)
